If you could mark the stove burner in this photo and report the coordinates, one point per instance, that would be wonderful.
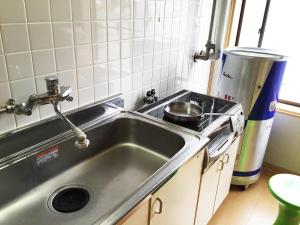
(196, 125)
(188, 124)
(70, 200)
(207, 103)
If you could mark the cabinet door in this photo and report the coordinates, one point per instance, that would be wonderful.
(207, 194)
(226, 174)
(175, 202)
(139, 215)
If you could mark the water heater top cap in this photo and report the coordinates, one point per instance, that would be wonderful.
(249, 52)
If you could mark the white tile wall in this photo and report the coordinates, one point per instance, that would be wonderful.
(40, 36)
(37, 10)
(12, 11)
(15, 38)
(99, 48)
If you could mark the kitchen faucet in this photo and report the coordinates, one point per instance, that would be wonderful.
(53, 96)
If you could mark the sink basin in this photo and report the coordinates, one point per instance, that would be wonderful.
(126, 153)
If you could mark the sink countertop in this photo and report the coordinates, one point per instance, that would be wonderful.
(121, 198)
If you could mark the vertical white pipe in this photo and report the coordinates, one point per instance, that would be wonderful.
(220, 27)
(219, 39)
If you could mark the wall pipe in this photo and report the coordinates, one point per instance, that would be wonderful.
(215, 43)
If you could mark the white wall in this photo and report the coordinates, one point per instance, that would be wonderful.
(99, 48)
(284, 144)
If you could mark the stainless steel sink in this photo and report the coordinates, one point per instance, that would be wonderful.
(128, 157)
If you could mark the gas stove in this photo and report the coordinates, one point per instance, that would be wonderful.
(219, 128)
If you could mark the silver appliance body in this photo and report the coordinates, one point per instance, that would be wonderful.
(252, 76)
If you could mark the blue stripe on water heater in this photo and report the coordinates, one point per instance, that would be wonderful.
(246, 174)
(269, 93)
(224, 56)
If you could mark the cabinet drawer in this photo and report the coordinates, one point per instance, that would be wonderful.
(175, 202)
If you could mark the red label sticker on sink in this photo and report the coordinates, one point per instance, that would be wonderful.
(45, 156)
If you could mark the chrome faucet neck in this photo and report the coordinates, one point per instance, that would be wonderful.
(81, 139)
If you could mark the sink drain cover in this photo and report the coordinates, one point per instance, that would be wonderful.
(70, 200)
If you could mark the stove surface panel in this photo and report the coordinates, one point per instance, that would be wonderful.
(207, 103)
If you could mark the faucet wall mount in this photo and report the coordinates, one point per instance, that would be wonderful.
(54, 95)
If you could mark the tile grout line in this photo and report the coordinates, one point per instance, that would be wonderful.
(153, 40)
(46, 49)
(120, 46)
(122, 59)
(143, 54)
(52, 39)
(74, 52)
(131, 50)
(133, 27)
(156, 18)
(107, 63)
(8, 79)
(189, 49)
(180, 27)
(30, 52)
(178, 18)
(170, 48)
(176, 49)
(191, 69)
(198, 33)
(4, 59)
(93, 56)
(161, 47)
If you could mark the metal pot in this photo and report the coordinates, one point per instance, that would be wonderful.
(186, 112)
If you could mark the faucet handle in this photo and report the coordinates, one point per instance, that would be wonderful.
(65, 91)
(65, 94)
(52, 85)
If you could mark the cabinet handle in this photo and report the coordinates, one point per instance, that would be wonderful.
(221, 165)
(226, 158)
(159, 210)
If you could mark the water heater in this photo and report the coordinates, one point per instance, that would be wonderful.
(252, 76)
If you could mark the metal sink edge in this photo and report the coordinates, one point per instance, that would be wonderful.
(109, 111)
(193, 144)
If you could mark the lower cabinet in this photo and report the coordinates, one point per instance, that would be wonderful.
(138, 215)
(226, 174)
(188, 197)
(215, 185)
(207, 194)
(175, 202)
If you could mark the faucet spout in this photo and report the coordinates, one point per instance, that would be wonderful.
(81, 139)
